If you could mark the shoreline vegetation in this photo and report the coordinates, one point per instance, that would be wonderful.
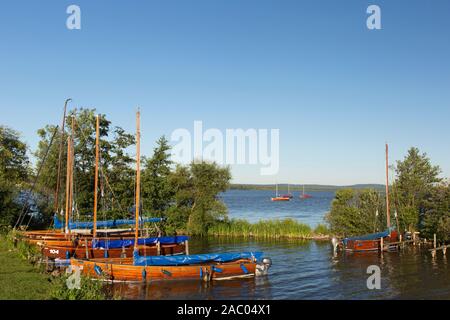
(269, 229)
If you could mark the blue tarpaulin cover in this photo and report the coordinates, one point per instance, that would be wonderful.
(110, 244)
(193, 259)
(58, 224)
(372, 236)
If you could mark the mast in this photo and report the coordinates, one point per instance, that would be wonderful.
(276, 193)
(61, 146)
(289, 192)
(388, 215)
(138, 177)
(97, 155)
(67, 185)
(71, 165)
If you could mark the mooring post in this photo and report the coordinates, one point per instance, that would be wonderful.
(444, 250)
(434, 241)
(382, 244)
(158, 248)
(186, 247)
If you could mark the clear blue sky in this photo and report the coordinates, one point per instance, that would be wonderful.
(336, 90)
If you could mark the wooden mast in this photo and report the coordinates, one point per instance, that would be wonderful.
(388, 214)
(67, 185)
(61, 146)
(138, 177)
(71, 167)
(97, 155)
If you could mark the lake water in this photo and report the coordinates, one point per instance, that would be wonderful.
(255, 205)
(305, 269)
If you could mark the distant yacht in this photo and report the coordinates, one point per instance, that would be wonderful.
(304, 195)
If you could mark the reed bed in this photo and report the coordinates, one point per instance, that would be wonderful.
(287, 228)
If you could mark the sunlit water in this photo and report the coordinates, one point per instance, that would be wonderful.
(305, 269)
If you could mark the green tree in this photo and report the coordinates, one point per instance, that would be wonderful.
(196, 202)
(437, 213)
(356, 212)
(14, 172)
(156, 192)
(415, 180)
(116, 177)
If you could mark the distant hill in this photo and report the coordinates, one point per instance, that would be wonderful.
(308, 187)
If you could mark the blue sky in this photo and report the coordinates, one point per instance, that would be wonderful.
(336, 90)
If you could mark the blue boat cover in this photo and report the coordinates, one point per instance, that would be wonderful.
(372, 236)
(110, 244)
(193, 259)
(58, 224)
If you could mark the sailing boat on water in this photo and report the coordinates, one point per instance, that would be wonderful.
(304, 195)
(204, 267)
(380, 241)
(289, 194)
(280, 198)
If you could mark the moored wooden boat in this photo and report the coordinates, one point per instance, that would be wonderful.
(83, 252)
(123, 269)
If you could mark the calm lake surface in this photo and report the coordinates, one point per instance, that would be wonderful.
(304, 269)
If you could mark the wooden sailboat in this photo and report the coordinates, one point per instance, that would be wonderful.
(304, 195)
(375, 241)
(142, 269)
(65, 245)
(278, 197)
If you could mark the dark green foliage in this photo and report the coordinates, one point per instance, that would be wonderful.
(416, 179)
(156, 192)
(197, 206)
(116, 176)
(356, 212)
(437, 213)
(14, 172)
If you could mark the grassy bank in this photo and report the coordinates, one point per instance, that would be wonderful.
(287, 228)
(23, 277)
(18, 278)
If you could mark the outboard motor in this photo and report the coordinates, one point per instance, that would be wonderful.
(335, 244)
(262, 268)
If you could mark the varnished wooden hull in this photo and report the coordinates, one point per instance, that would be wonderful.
(54, 252)
(370, 245)
(124, 270)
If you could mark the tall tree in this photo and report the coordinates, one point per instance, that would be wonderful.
(437, 213)
(156, 192)
(415, 179)
(197, 205)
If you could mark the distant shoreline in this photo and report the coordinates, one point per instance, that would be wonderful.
(308, 187)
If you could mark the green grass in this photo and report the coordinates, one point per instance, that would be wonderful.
(287, 228)
(20, 280)
(22, 277)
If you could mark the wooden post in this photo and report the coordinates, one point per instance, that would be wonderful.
(158, 248)
(186, 247)
(382, 244)
(87, 249)
(434, 241)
